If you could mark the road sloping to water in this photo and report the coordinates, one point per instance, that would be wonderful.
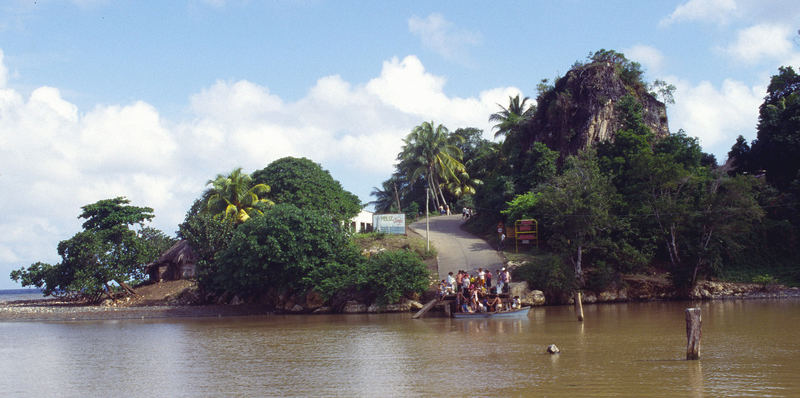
(457, 249)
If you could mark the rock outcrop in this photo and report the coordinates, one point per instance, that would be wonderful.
(581, 109)
(526, 295)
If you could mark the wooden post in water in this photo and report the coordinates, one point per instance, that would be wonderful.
(578, 305)
(693, 333)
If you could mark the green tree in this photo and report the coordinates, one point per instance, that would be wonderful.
(433, 154)
(207, 235)
(509, 120)
(740, 155)
(392, 274)
(385, 200)
(286, 248)
(777, 147)
(307, 185)
(235, 196)
(700, 215)
(575, 206)
(106, 251)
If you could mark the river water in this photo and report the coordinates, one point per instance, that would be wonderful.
(749, 348)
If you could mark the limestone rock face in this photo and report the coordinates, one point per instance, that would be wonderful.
(401, 307)
(582, 110)
(354, 307)
(314, 300)
(526, 295)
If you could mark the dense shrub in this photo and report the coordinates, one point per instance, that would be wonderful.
(548, 273)
(392, 274)
(286, 248)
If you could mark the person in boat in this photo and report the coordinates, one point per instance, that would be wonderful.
(465, 283)
(516, 303)
(481, 278)
(462, 301)
(495, 304)
(488, 280)
(474, 300)
(459, 278)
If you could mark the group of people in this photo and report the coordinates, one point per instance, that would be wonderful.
(475, 293)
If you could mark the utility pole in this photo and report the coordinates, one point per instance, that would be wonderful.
(427, 220)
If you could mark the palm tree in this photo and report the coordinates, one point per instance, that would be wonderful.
(464, 185)
(384, 197)
(510, 119)
(431, 153)
(235, 197)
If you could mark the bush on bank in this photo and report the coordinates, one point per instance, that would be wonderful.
(288, 249)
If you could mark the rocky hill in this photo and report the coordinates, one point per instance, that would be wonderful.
(580, 109)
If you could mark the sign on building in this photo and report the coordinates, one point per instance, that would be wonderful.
(389, 223)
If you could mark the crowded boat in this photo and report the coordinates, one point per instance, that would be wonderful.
(481, 292)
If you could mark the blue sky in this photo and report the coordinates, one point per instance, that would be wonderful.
(150, 99)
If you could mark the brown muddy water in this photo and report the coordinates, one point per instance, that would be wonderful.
(749, 348)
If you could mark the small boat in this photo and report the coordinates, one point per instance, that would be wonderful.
(514, 313)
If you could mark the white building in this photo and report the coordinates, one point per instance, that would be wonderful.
(362, 222)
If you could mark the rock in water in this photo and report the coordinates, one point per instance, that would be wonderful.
(553, 349)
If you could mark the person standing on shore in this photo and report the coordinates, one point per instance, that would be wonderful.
(450, 280)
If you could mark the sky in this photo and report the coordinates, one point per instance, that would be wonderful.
(151, 99)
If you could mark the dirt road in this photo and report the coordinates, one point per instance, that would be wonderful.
(457, 248)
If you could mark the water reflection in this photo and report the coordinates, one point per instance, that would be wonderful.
(491, 326)
(695, 378)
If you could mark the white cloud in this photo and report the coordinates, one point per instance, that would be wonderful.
(718, 11)
(716, 115)
(650, 57)
(55, 158)
(441, 36)
(762, 41)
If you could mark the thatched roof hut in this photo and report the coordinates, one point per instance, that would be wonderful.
(178, 262)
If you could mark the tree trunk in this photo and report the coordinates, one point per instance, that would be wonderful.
(693, 333)
(444, 201)
(579, 279)
(433, 189)
(397, 197)
(108, 292)
(578, 305)
(127, 287)
(579, 267)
